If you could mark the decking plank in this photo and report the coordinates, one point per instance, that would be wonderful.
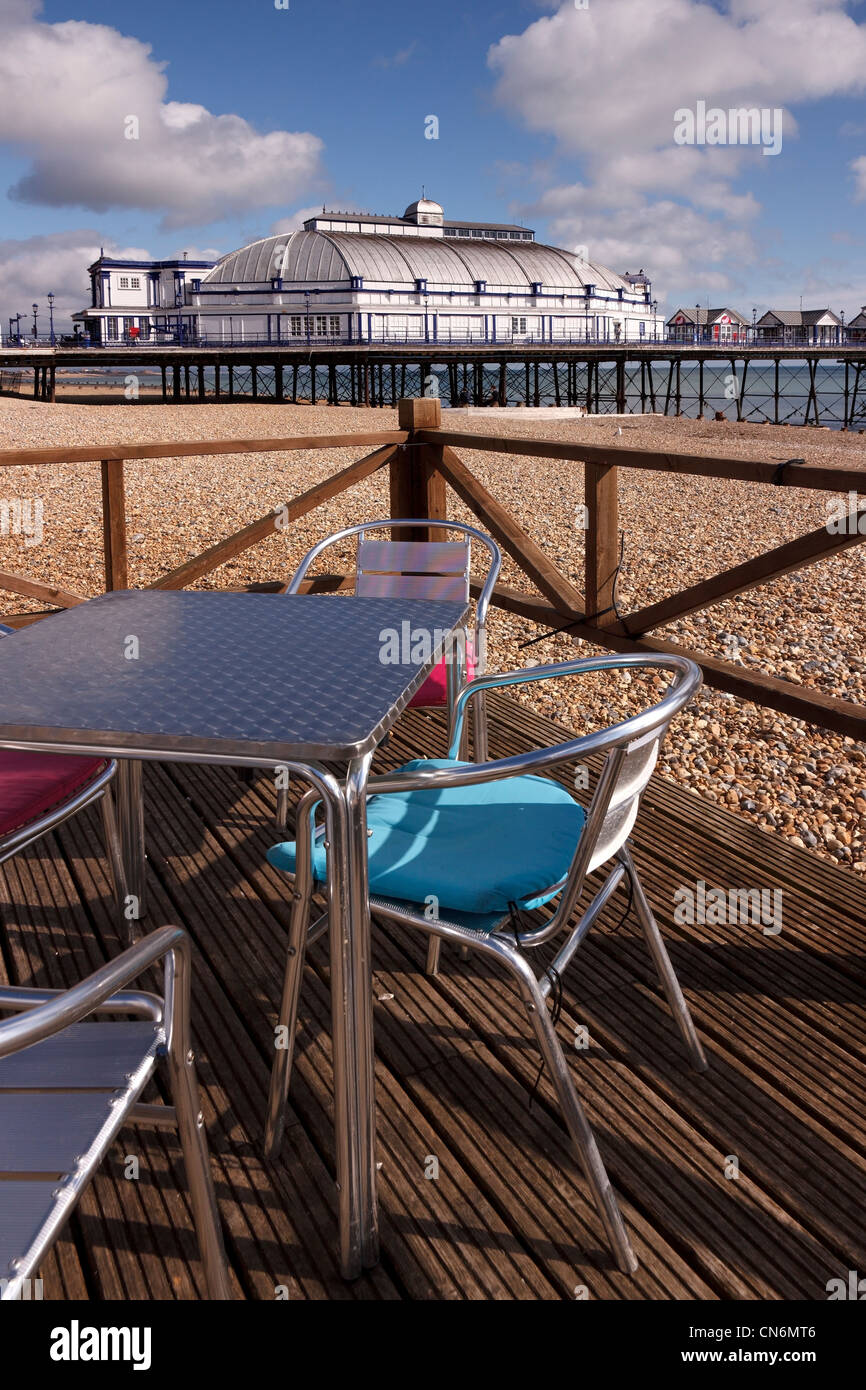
(509, 1216)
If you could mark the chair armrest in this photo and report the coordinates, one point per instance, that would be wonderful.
(71, 1005)
(687, 680)
(468, 774)
(18, 998)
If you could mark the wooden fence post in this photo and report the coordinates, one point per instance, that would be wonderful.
(602, 541)
(417, 484)
(114, 525)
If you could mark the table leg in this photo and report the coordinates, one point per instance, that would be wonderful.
(362, 979)
(352, 1024)
(130, 820)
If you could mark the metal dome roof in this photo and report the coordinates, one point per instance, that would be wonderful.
(311, 257)
(424, 205)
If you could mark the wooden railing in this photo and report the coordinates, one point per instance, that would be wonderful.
(422, 461)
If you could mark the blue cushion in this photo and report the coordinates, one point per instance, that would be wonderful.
(476, 849)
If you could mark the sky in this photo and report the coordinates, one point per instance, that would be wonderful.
(248, 115)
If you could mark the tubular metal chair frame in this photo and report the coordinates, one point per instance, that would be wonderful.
(455, 667)
(508, 949)
(99, 789)
(43, 1013)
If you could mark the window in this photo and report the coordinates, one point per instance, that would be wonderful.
(463, 231)
(334, 325)
(321, 323)
(296, 328)
(111, 326)
(135, 282)
(515, 236)
(518, 325)
(124, 282)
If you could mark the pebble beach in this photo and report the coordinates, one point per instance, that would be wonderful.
(794, 780)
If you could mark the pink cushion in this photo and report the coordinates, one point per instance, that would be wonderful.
(434, 691)
(33, 783)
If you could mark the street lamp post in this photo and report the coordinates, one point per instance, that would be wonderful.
(51, 317)
(697, 323)
(35, 315)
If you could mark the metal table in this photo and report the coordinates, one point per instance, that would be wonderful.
(255, 680)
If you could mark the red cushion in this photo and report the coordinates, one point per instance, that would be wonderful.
(33, 783)
(434, 691)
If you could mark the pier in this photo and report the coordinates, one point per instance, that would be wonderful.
(779, 384)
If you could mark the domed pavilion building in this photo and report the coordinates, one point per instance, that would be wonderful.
(358, 278)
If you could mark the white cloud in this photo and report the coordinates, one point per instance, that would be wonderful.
(32, 267)
(396, 60)
(295, 220)
(859, 168)
(66, 93)
(606, 81)
(610, 78)
(679, 246)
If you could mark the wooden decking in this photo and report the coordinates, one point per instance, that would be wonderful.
(782, 1018)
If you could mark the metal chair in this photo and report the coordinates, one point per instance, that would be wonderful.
(67, 1088)
(39, 791)
(428, 570)
(461, 851)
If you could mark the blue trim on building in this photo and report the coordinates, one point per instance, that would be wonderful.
(153, 265)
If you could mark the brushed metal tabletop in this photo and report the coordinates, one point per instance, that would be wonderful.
(144, 673)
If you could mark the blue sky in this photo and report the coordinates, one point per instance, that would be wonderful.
(361, 76)
(550, 114)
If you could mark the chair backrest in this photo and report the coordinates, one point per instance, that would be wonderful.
(413, 569)
(614, 807)
(630, 752)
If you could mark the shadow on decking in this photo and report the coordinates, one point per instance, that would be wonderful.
(508, 1217)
